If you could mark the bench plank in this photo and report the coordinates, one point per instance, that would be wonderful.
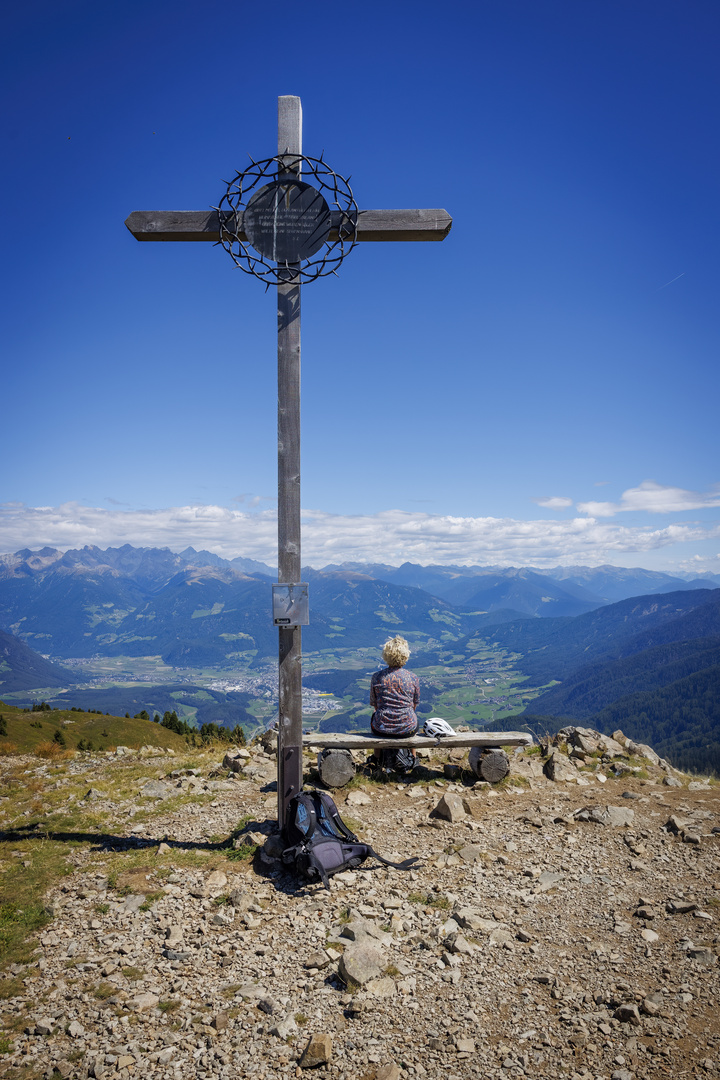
(368, 741)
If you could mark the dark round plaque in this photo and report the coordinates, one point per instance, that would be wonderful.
(287, 221)
(278, 228)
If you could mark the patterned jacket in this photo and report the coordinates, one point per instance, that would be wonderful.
(394, 695)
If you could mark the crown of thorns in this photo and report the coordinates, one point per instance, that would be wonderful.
(270, 214)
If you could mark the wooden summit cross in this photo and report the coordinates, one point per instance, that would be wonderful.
(372, 225)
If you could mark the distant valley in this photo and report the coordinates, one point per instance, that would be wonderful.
(129, 628)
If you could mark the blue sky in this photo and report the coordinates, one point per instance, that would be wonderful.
(540, 388)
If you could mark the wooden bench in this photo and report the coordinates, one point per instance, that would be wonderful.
(487, 760)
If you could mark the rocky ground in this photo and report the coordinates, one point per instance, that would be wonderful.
(563, 927)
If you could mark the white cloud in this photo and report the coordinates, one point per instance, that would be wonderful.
(393, 536)
(653, 498)
(700, 564)
(554, 502)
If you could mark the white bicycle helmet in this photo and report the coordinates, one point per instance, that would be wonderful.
(437, 727)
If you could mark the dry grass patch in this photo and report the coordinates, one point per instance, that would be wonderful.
(52, 751)
(134, 880)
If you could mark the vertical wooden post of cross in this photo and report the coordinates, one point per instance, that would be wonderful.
(289, 556)
(211, 226)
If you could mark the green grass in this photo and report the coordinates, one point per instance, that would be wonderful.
(354, 825)
(244, 853)
(168, 1006)
(151, 899)
(133, 973)
(22, 913)
(432, 900)
(26, 731)
(17, 922)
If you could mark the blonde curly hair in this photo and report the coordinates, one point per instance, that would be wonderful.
(396, 651)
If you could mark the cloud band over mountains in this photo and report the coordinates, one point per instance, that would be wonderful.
(391, 536)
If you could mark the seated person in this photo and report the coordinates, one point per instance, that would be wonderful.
(394, 694)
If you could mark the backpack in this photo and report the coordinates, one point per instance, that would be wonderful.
(321, 843)
(399, 761)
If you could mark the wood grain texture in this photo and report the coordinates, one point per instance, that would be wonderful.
(336, 768)
(383, 225)
(290, 716)
(191, 225)
(289, 126)
(289, 539)
(373, 225)
(360, 741)
(288, 428)
(489, 764)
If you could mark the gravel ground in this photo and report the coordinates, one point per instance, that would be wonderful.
(539, 935)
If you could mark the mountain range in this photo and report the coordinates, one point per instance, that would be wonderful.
(198, 606)
(648, 663)
(140, 602)
(563, 590)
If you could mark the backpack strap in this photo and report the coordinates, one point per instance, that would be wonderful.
(306, 801)
(342, 827)
(331, 809)
(406, 864)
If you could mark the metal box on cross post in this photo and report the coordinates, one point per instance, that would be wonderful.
(291, 605)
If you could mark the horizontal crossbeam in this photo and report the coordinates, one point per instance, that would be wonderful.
(360, 741)
(373, 225)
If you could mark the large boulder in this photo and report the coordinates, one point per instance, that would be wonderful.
(615, 816)
(559, 767)
(360, 963)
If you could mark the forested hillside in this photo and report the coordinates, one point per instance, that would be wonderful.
(556, 648)
(595, 686)
(681, 721)
(21, 668)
